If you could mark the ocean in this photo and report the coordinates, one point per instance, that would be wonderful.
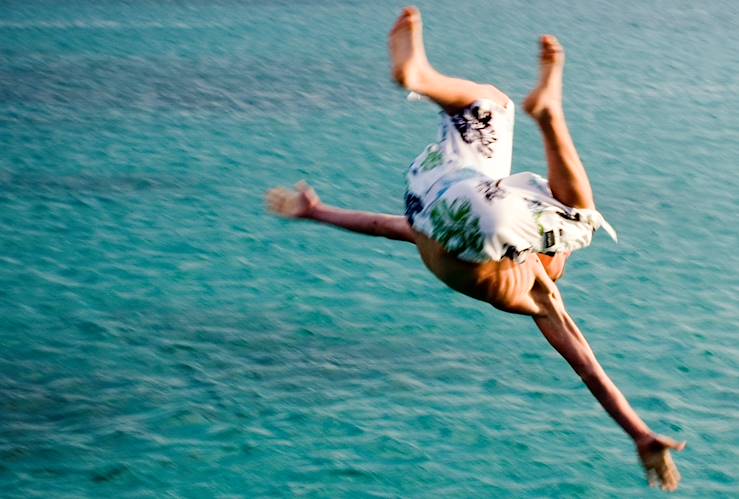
(164, 336)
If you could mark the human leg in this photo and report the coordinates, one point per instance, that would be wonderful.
(568, 179)
(412, 70)
(304, 203)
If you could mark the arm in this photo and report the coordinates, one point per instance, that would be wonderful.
(372, 224)
(303, 203)
(561, 332)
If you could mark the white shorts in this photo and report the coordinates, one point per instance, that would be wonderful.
(461, 194)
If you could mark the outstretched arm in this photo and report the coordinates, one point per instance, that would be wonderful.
(561, 332)
(303, 203)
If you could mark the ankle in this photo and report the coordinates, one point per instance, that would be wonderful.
(420, 79)
(547, 115)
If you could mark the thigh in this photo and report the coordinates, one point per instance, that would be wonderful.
(554, 265)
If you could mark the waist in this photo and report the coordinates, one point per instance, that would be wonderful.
(496, 282)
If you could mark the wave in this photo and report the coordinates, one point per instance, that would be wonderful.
(107, 24)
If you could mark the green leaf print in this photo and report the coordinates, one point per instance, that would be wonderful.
(539, 223)
(455, 227)
(432, 160)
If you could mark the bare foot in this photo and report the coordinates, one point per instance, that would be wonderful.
(654, 453)
(546, 98)
(407, 54)
(298, 203)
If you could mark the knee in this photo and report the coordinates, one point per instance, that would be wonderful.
(494, 94)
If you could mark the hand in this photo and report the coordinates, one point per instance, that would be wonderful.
(654, 452)
(298, 203)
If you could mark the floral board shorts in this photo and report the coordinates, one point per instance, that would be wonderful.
(460, 193)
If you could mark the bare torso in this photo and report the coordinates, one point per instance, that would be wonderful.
(505, 284)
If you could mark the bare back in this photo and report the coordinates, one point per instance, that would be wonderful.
(505, 284)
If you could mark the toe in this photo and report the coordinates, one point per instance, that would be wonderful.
(411, 10)
(550, 44)
(411, 16)
(404, 19)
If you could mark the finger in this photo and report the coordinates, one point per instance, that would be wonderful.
(667, 477)
(273, 199)
(276, 201)
(672, 444)
(274, 193)
(665, 464)
(670, 476)
(669, 487)
(674, 473)
(670, 483)
(278, 193)
(269, 199)
(274, 208)
(652, 477)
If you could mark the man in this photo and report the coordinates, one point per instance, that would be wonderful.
(500, 238)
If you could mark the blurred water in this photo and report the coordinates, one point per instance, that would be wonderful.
(161, 335)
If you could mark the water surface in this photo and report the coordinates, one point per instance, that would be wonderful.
(163, 336)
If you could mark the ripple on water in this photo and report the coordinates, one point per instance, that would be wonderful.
(161, 335)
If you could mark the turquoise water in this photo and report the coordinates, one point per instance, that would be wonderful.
(162, 336)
